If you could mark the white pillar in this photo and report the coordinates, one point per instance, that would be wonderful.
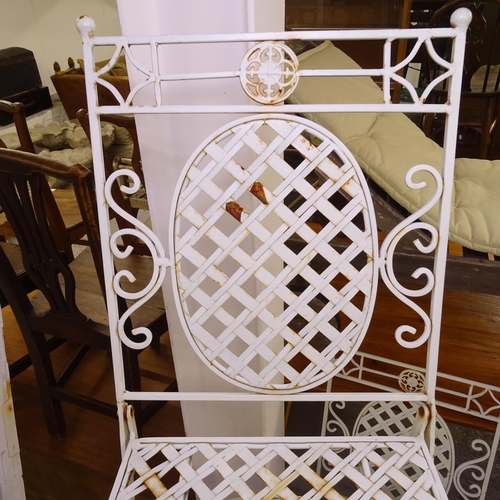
(166, 144)
(11, 474)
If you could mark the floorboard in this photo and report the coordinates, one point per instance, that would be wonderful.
(83, 464)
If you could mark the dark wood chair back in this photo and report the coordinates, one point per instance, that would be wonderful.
(483, 42)
(480, 101)
(56, 205)
(24, 199)
(16, 109)
(62, 309)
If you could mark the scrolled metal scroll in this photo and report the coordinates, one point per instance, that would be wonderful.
(334, 426)
(335, 423)
(476, 472)
(388, 249)
(160, 262)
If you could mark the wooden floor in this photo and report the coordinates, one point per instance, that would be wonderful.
(83, 464)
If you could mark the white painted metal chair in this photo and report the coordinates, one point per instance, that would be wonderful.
(244, 264)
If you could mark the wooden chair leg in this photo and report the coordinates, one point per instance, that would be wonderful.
(486, 131)
(44, 372)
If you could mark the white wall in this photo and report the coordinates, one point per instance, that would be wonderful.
(47, 28)
(11, 474)
(167, 142)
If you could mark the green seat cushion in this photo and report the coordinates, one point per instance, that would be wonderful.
(386, 145)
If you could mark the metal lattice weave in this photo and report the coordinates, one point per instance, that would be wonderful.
(246, 244)
(397, 419)
(170, 469)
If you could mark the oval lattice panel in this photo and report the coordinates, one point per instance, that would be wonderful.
(261, 207)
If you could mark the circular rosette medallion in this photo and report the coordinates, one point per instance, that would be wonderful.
(268, 72)
(275, 253)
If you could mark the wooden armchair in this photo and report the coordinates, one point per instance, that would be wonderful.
(480, 99)
(70, 304)
(64, 203)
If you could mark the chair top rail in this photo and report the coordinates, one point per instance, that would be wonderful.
(86, 26)
(284, 108)
(283, 70)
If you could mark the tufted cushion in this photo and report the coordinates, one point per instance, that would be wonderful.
(386, 145)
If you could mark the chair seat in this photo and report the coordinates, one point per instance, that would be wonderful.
(277, 468)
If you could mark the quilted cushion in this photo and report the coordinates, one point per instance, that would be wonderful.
(386, 145)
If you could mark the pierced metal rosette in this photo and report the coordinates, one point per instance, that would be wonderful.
(268, 72)
(411, 381)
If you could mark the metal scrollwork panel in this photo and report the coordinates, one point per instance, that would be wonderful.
(469, 478)
(388, 249)
(159, 261)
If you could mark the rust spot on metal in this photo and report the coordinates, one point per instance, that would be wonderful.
(235, 209)
(421, 411)
(257, 190)
(154, 483)
(130, 409)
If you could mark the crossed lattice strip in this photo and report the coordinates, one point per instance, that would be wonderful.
(390, 419)
(292, 222)
(216, 471)
(396, 419)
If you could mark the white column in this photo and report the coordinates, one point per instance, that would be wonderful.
(11, 474)
(166, 144)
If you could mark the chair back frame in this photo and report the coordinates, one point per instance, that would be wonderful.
(277, 81)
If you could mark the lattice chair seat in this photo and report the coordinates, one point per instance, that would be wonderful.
(239, 469)
(263, 292)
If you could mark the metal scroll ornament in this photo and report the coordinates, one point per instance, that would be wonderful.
(477, 473)
(334, 427)
(160, 262)
(268, 72)
(387, 256)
